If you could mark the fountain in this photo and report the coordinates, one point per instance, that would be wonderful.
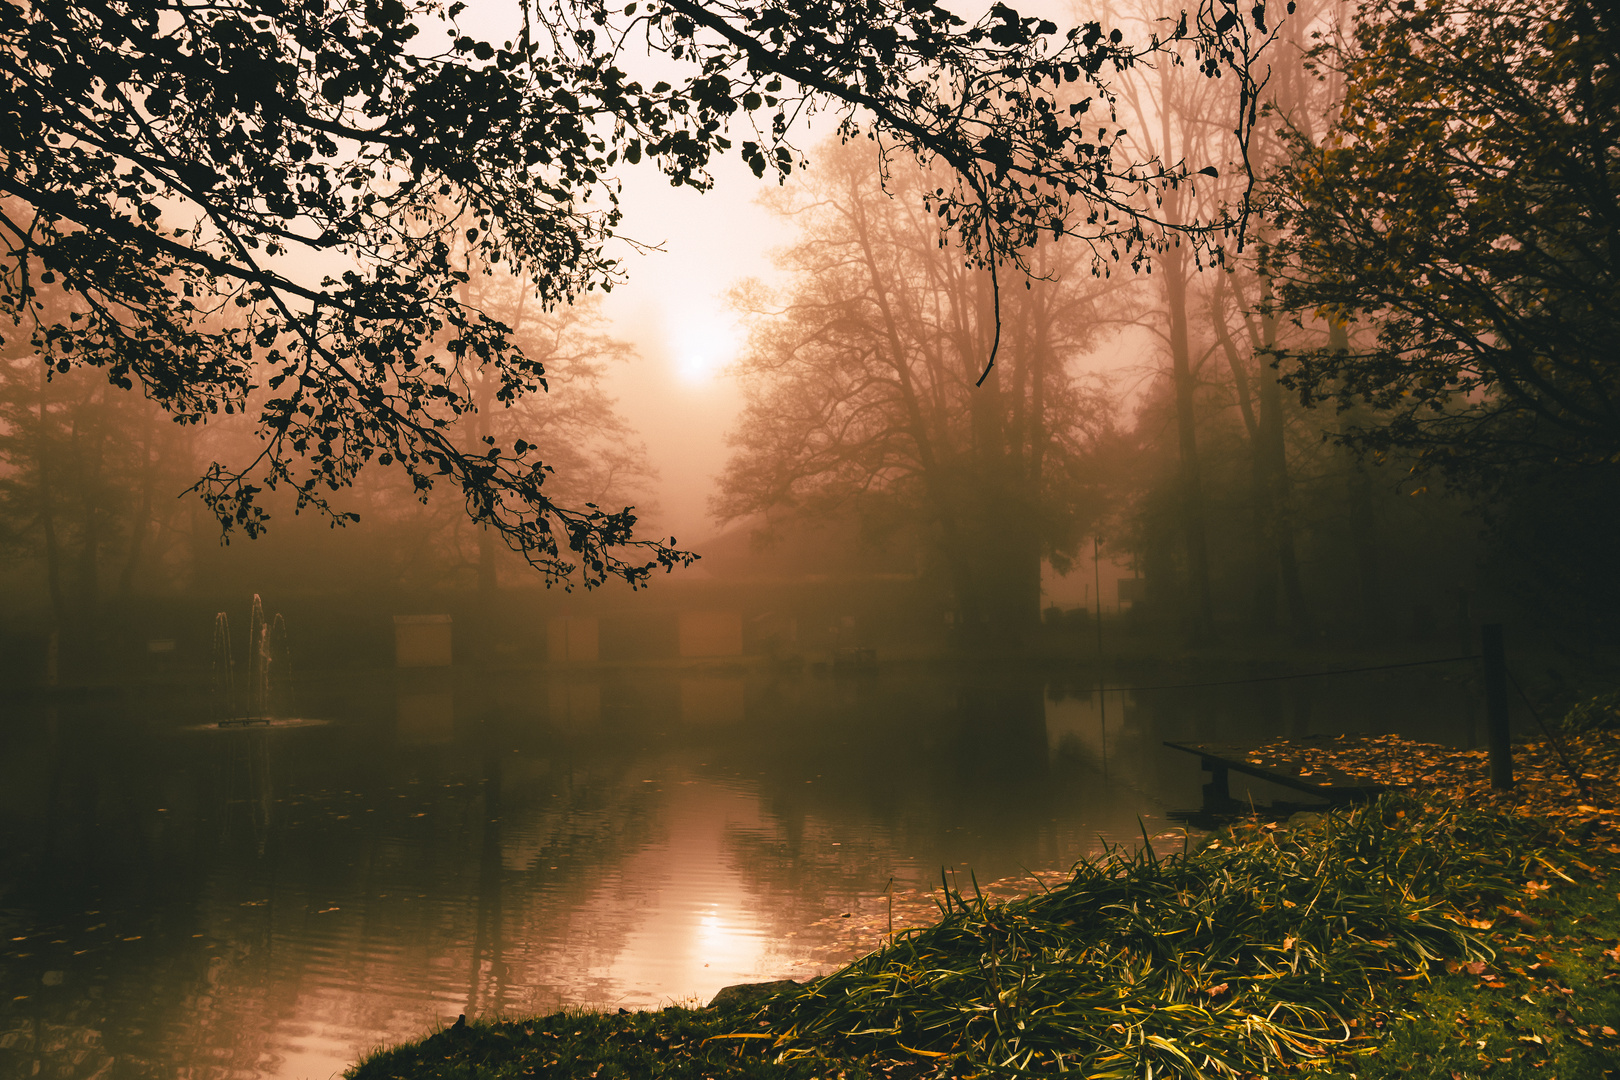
(224, 666)
(268, 665)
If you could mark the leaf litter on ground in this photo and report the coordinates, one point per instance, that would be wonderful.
(1543, 786)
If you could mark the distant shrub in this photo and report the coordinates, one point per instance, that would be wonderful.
(1601, 713)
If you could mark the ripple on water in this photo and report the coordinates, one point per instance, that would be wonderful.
(275, 723)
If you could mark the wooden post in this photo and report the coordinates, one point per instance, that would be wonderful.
(1494, 659)
(1218, 792)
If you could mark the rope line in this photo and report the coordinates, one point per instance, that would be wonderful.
(1557, 745)
(1284, 678)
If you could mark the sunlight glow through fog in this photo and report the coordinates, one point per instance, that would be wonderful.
(703, 339)
(673, 309)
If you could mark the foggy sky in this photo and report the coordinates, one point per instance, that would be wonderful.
(674, 310)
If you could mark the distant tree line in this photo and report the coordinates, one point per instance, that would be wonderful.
(1403, 387)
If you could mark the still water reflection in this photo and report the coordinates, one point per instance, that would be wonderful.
(181, 900)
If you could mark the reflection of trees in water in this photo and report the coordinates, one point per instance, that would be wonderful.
(332, 882)
(996, 772)
(102, 877)
(487, 952)
(91, 814)
(894, 767)
(1432, 705)
(432, 912)
(569, 821)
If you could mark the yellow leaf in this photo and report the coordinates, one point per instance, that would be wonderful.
(923, 1053)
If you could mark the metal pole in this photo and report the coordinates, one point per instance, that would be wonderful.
(1494, 660)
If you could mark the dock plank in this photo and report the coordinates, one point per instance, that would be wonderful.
(1321, 781)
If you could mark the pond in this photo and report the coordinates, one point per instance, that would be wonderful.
(273, 901)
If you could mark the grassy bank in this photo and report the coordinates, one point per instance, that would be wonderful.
(1446, 936)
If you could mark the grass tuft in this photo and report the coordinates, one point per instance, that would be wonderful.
(1258, 950)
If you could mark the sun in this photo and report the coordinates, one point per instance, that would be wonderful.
(701, 343)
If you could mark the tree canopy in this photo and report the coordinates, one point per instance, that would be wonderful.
(1463, 217)
(249, 205)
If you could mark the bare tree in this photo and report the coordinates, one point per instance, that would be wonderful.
(863, 383)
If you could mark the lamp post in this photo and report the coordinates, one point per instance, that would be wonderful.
(1096, 577)
(1102, 691)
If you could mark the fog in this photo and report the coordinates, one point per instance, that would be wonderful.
(674, 380)
(387, 637)
(675, 311)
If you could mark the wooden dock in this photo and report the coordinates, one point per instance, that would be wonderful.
(1222, 759)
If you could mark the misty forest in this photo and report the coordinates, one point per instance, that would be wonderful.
(785, 540)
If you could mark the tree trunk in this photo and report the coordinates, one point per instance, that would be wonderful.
(140, 524)
(87, 461)
(1011, 553)
(954, 543)
(1200, 605)
(47, 509)
(1363, 522)
(1274, 450)
(1034, 439)
(488, 584)
(1264, 551)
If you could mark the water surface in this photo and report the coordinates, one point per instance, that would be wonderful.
(184, 900)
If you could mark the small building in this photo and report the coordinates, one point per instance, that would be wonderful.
(422, 640)
(711, 633)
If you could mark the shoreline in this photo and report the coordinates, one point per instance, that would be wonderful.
(1353, 935)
